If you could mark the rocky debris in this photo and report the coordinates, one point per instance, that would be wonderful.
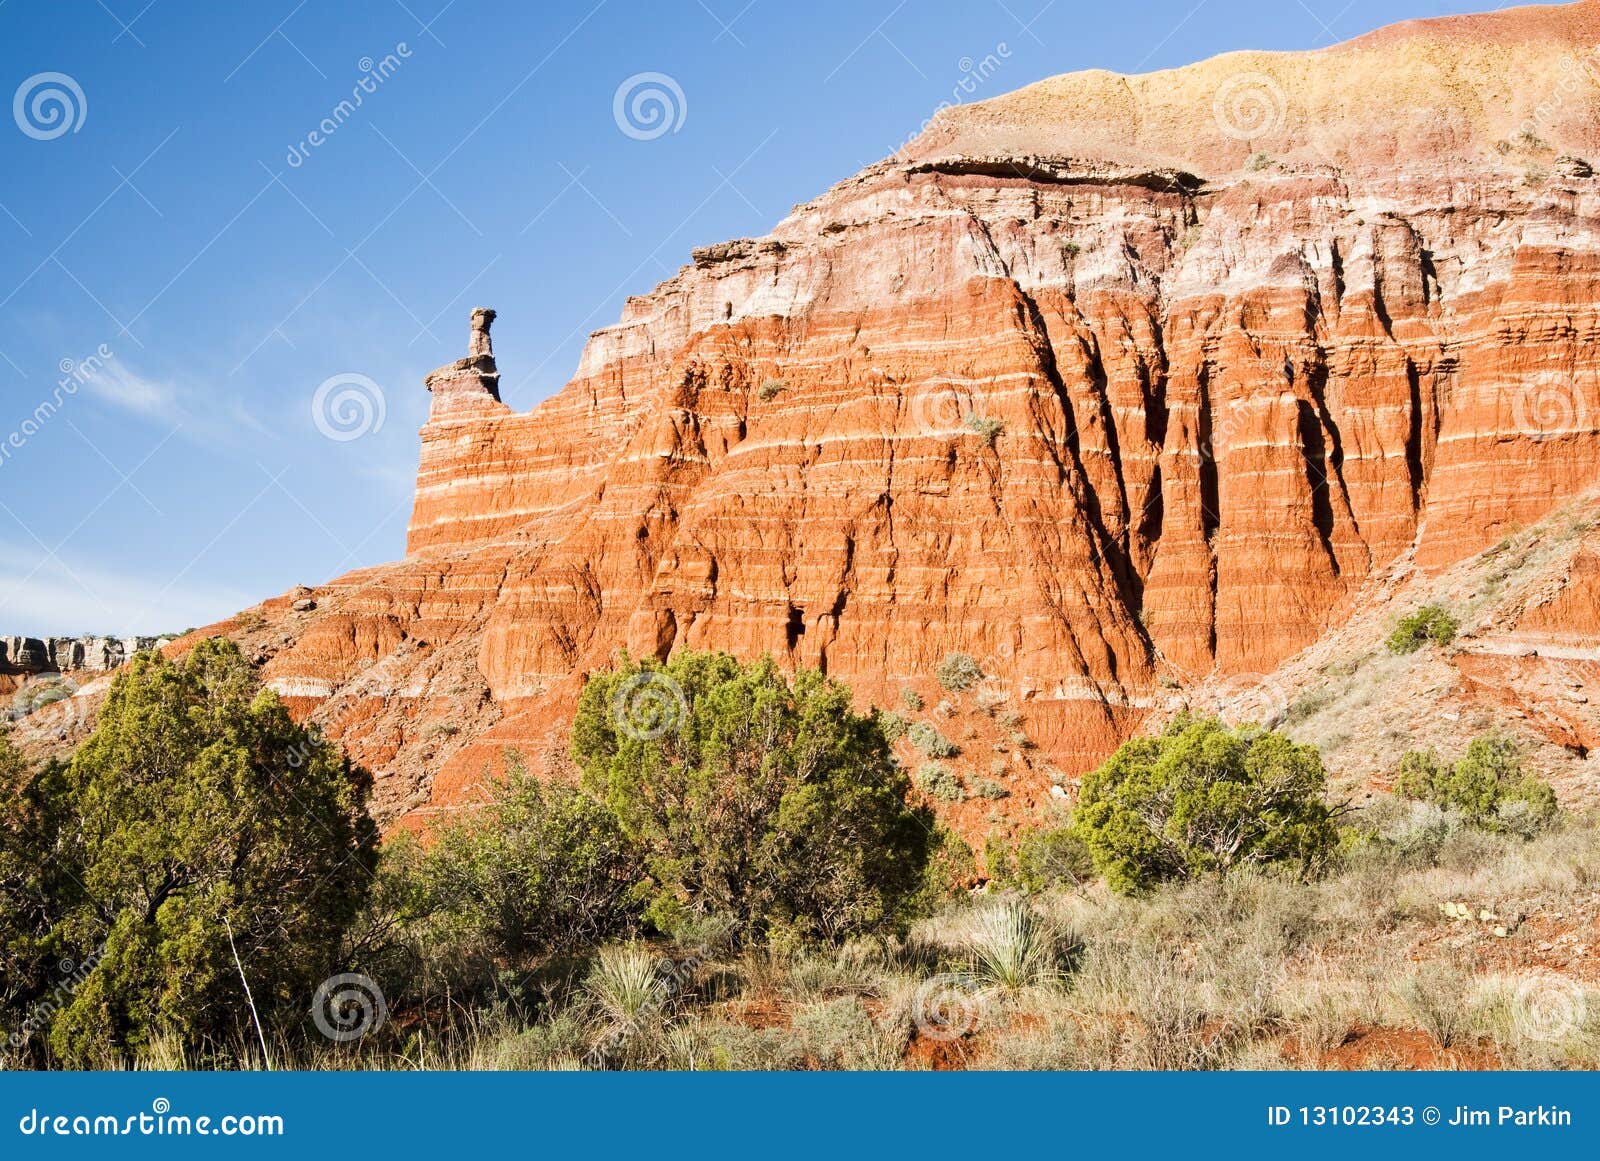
(1077, 384)
(31, 655)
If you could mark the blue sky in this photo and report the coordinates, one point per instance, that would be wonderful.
(194, 284)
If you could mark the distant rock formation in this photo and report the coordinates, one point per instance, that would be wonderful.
(34, 655)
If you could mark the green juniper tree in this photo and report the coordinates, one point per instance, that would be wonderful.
(1202, 797)
(771, 805)
(197, 804)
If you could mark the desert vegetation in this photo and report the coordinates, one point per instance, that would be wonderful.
(1430, 623)
(743, 876)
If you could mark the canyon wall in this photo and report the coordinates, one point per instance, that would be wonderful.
(1118, 384)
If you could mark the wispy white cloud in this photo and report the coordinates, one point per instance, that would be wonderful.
(118, 384)
(197, 415)
(42, 595)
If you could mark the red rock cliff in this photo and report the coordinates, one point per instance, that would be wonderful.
(1114, 383)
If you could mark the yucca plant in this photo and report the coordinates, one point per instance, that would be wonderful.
(627, 984)
(1011, 947)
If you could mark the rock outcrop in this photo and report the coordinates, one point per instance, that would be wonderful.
(35, 655)
(1122, 385)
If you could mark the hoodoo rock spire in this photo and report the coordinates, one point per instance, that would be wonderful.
(471, 384)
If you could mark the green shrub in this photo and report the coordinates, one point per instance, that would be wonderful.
(1429, 623)
(986, 429)
(772, 388)
(1204, 798)
(1039, 859)
(911, 699)
(951, 869)
(989, 788)
(930, 742)
(1488, 786)
(893, 725)
(958, 672)
(540, 868)
(938, 781)
(197, 807)
(770, 804)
